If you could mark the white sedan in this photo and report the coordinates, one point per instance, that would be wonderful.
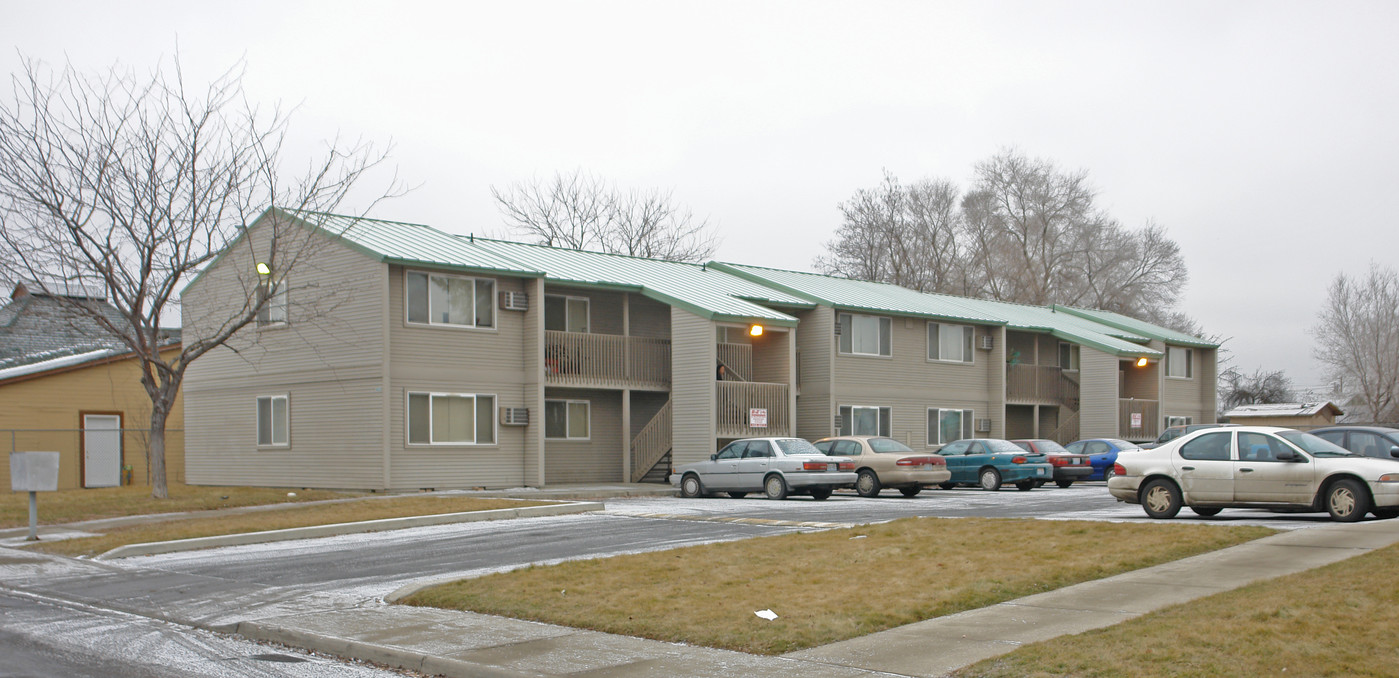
(1256, 467)
(773, 466)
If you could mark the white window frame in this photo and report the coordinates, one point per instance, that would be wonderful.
(275, 312)
(568, 419)
(1189, 362)
(1179, 421)
(1075, 356)
(568, 299)
(723, 333)
(475, 408)
(272, 425)
(968, 425)
(475, 292)
(883, 415)
(885, 331)
(967, 344)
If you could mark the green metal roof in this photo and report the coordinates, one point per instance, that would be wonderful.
(1131, 324)
(404, 243)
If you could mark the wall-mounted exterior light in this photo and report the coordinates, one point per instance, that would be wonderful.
(755, 331)
(1141, 362)
(263, 269)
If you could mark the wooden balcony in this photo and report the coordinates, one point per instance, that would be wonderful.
(1040, 385)
(738, 359)
(737, 398)
(583, 360)
(1148, 419)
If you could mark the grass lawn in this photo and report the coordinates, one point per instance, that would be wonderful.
(275, 519)
(68, 506)
(826, 586)
(1337, 620)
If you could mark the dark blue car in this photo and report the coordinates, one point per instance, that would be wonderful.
(1102, 453)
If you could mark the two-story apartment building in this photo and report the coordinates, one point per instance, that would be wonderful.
(403, 357)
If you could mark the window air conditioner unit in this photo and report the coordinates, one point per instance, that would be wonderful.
(514, 416)
(983, 425)
(985, 342)
(514, 301)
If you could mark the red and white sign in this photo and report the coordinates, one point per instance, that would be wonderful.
(1136, 420)
(758, 417)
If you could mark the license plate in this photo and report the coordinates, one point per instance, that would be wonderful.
(831, 467)
(1039, 471)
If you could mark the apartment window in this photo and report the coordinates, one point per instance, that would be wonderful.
(952, 343)
(451, 419)
(1178, 362)
(731, 335)
(945, 426)
(566, 314)
(1178, 421)
(857, 420)
(273, 421)
(865, 334)
(434, 299)
(1068, 356)
(566, 419)
(274, 311)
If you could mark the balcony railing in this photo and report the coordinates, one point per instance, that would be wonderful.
(736, 402)
(738, 359)
(1045, 384)
(606, 360)
(1145, 414)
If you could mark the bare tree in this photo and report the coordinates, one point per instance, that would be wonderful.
(134, 183)
(1357, 338)
(1260, 388)
(580, 211)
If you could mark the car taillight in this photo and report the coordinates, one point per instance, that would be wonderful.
(920, 461)
(847, 466)
(1117, 468)
(814, 465)
(1017, 460)
(1058, 461)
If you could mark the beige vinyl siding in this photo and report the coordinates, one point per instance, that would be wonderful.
(1022, 346)
(459, 360)
(771, 357)
(1193, 397)
(329, 357)
(1140, 382)
(644, 406)
(1020, 421)
(1049, 419)
(649, 318)
(604, 307)
(909, 383)
(995, 379)
(816, 339)
(532, 393)
(596, 460)
(692, 386)
(1098, 401)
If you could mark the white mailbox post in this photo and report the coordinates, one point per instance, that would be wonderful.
(34, 472)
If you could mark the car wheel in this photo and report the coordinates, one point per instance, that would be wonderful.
(1161, 499)
(738, 495)
(1347, 501)
(910, 491)
(1025, 485)
(1206, 511)
(691, 487)
(867, 484)
(1385, 513)
(1064, 483)
(947, 486)
(1108, 473)
(990, 479)
(821, 493)
(775, 487)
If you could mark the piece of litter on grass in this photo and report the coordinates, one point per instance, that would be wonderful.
(766, 614)
(291, 494)
(858, 536)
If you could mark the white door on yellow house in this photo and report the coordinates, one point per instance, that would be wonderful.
(101, 450)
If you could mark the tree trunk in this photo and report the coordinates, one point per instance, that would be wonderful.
(159, 414)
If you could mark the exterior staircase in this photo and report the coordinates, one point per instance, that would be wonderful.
(652, 444)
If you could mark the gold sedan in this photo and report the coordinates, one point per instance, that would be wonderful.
(885, 462)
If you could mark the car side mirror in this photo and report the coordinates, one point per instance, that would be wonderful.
(1286, 455)
(714, 457)
(1394, 452)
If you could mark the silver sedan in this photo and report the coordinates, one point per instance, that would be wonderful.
(774, 466)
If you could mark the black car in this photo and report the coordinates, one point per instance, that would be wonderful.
(1371, 441)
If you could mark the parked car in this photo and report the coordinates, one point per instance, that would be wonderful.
(1173, 432)
(1102, 454)
(1371, 441)
(885, 462)
(1256, 467)
(776, 467)
(1068, 466)
(989, 462)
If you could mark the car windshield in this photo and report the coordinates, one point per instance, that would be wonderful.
(1050, 447)
(1124, 445)
(889, 445)
(790, 446)
(1002, 446)
(1314, 445)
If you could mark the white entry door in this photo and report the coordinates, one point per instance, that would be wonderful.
(101, 450)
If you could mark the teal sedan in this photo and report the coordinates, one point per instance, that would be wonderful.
(989, 462)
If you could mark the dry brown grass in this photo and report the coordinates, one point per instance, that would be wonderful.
(68, 506)
(826, 586)
(1337, 620)
(276, 519)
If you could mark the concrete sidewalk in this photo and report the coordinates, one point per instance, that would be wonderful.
(464, 644)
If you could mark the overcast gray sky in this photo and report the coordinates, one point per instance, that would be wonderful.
(1262, 135)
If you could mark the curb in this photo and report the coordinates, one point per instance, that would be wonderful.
(336, 529)
(372, 652)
